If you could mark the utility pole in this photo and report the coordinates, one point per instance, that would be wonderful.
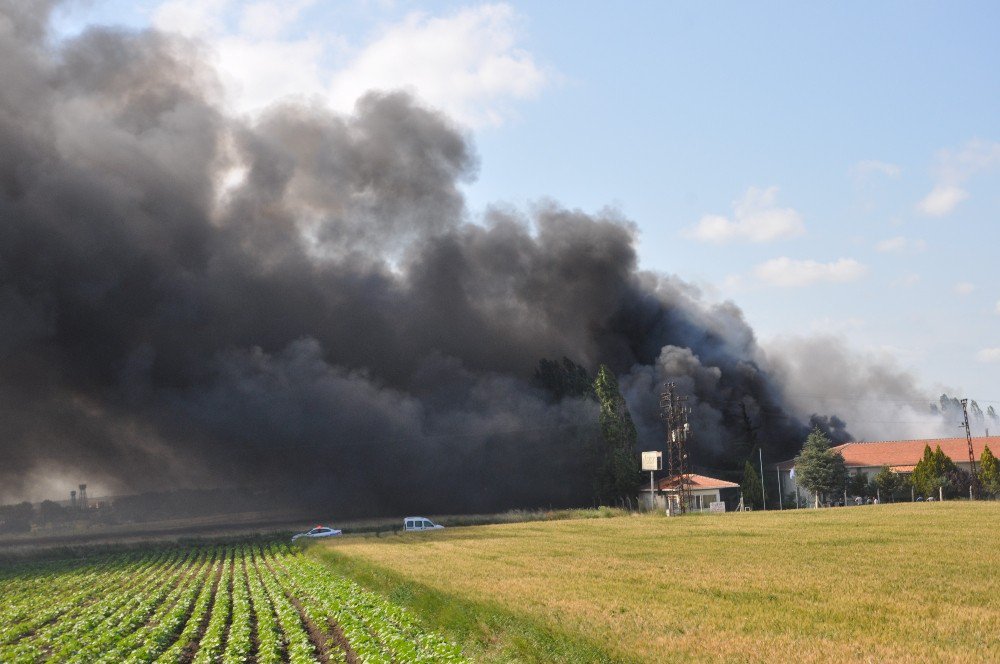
(675, 417)
(972, 453)
(763, 494)
(781, 501)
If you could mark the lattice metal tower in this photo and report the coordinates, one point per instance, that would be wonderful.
(972, 451)
(674, 413)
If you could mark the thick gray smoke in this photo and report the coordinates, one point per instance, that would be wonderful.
(187, 298)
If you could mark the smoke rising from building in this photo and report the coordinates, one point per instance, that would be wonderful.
(188, 298)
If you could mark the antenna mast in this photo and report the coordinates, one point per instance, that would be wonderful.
(968, 438)
(675, 418)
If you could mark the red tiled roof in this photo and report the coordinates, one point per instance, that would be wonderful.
(694, 482)
(904, 454)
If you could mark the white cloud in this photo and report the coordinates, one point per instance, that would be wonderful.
(257, 59)
(267, 20)
(468, 64)
(953, 169)
(942, 200)
(905, 281)
(974, 157)
(875, 167)
(191, 18)
(988, 355)
(900, 244)
(964, 288)
(257, 73)
(787, 272)
(755, 218)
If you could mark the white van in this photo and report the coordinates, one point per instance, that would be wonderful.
(419, 523)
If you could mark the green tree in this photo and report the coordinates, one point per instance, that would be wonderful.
(959, 482)
(16, 518)
(989, 473)
(888, 482)
(51, 512)
(857, 484)
(750, 486)
(932, 471)
(818, 468)
(922, 477)
(618, 475)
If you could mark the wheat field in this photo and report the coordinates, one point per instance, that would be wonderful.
(900, 583)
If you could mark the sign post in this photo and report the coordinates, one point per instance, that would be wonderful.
(652, 461)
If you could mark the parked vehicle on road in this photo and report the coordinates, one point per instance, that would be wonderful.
(419, 523)
(317, 532)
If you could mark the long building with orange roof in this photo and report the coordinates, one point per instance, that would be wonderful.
(869, 457)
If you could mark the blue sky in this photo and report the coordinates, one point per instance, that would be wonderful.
(833, 168)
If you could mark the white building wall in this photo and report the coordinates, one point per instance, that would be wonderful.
(789, 485)
(708, 496)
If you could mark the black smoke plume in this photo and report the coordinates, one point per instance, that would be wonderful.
(192, 299)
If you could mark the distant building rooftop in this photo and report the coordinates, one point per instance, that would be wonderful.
(903, 455)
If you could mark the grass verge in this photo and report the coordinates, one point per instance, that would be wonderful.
(486, 631)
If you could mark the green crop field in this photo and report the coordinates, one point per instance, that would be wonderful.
(225, 603)
(884, 583)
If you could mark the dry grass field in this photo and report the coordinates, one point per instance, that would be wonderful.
(885, 583)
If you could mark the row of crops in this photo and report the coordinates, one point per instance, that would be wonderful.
(227, 603)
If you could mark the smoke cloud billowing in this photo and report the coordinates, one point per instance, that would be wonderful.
(192, 299)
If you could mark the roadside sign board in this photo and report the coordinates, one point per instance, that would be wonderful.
(717, 506)
(652, 460)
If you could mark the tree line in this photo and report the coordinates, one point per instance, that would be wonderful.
(821, 470)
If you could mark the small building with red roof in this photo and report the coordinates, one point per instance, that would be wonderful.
(702, 491)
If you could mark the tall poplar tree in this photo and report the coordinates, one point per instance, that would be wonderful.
(618, 473)
(989, 473)
(751, 487)
(931, 472)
